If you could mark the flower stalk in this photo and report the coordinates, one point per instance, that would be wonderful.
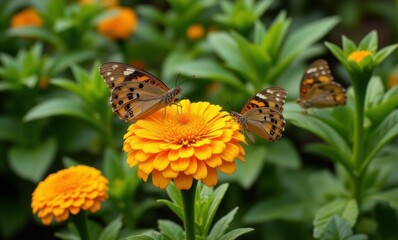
(80, 222)
(188, 202)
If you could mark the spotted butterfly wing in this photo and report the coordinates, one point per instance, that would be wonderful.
(317, 88)
(135, 93)
(262, 114)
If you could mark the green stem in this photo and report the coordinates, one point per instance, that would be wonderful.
(358, 138)
(80, 222)
(188, 202)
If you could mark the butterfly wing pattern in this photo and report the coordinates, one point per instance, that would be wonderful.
(262, 114)
(135, 93)
(317, 88)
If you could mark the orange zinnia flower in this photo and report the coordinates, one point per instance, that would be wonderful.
(27, 17)
(119, 26)
(69, 191)
(195, 32)
(358, 55)
(183, 142)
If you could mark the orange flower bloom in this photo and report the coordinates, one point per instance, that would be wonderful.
(195, 32)
(119, 26)
(358, 55)
(392, 80)
(183, 142)
(69, 191)
(27, 17)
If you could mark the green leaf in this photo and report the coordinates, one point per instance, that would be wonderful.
(389, 103)
(12, 129)
(295, 115)
(337, 229)
(369, 42)
(275, 36)
(345, 208)
(384, 53)
(222, 225)
(390, 196)
(348, 45)
(37, 32)
(329, 152)
(374, 92)
(247, 172)
(234, 234)
(210, 70)
(228, 49)
(58, 107)
(171, 230)
(306, 36)
(259, 32)
(111, 231)
(337, 52)
(284, 154)
(151, 235)
(285, 207)
(217, 196)
(174, 208)
(32, 163)
(380, 137)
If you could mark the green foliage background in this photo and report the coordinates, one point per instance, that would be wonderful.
(300, 187)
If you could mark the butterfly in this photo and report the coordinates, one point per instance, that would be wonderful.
(317, 88)
(135, 93)
(262, 114)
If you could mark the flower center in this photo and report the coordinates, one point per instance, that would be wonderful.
(184, 128)
(358, 55)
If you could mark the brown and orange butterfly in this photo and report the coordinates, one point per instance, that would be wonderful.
(135, 93)
(262, 114)
(317, 88)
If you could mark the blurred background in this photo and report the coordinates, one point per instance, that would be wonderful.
(55, 112)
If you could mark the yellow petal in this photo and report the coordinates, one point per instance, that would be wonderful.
(183, 182)
(217, 146)
(161, 161)
(169, 173)
(212, 177)
(180, 164)
(227, 167)
(186, 152)
(193, 166)
(173, 155)
(159, 181)
(201, 171)
(214, 161)
(203, 152)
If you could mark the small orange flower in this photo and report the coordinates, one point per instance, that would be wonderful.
(392, 80)
(69, 191)
(358, 55)
(27, 17)
(195, 32)
(183, 142)
(119, 26)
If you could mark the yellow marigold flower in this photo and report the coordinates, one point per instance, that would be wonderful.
(195, 32)
(183, 142)
(119, 26)
(358, 55)
(27, 17)
(69, 191)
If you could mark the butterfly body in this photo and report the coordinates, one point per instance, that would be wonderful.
(135, 93)
(262, 114)
(318, 89)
